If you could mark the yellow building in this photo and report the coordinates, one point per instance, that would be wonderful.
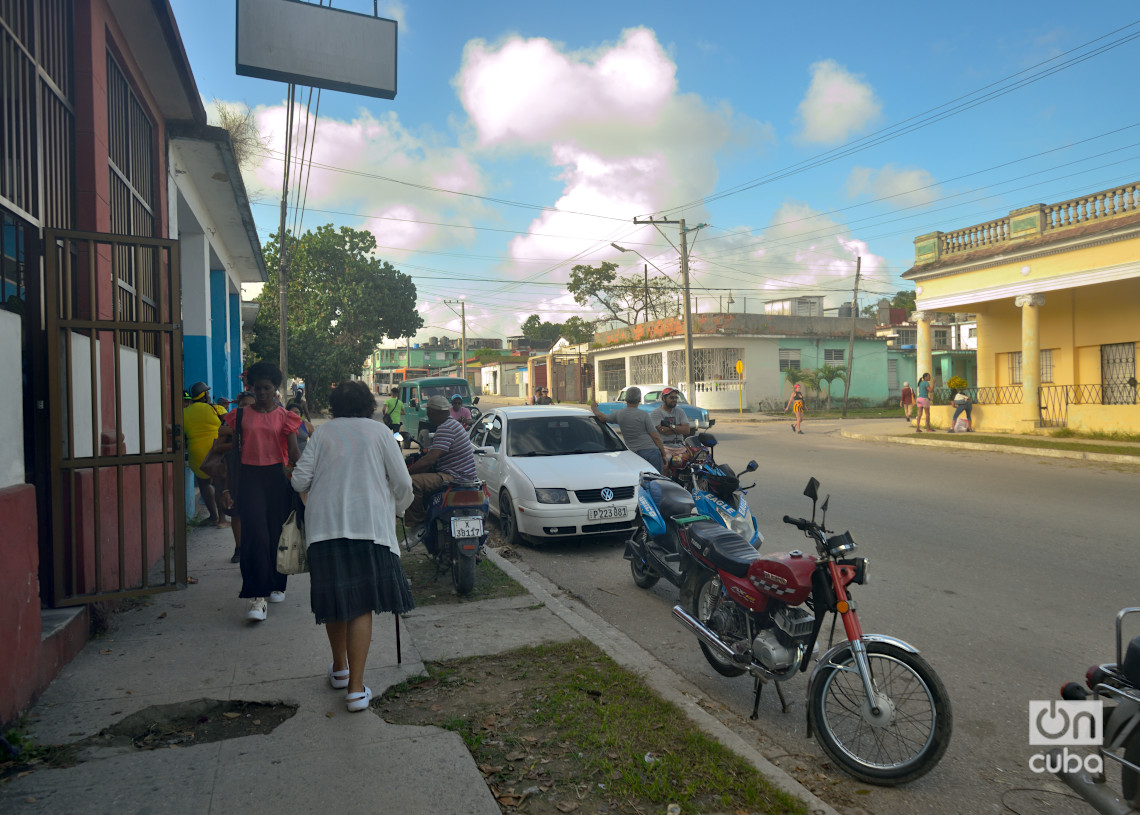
(1056, 291)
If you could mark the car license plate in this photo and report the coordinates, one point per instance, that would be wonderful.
(467, 527)
(605, 512)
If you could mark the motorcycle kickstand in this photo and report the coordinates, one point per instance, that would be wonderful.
(759, 686)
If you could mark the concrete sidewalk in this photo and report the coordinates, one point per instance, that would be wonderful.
(196, 644)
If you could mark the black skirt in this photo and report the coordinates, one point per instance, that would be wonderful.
(349, 578)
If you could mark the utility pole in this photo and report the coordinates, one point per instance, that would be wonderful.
(692, 394)
(851, 341)
(282, 263)
(646, 266)
(463, 335)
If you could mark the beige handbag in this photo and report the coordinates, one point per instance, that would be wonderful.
(292, 554)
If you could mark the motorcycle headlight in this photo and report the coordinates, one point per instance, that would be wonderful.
(551, 495)
(861, 565)
(740, 524)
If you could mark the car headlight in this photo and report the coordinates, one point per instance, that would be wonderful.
(552, 495)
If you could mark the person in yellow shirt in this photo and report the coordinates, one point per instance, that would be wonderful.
(201, 419)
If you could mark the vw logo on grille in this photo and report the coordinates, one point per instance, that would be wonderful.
(607, 494)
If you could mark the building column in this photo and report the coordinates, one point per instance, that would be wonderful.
(219, 330)
(233, 378)
(984, 357)
(924, 360)
(1030, 356)
(194, 263)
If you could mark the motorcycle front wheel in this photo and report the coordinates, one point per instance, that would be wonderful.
(706, 599)
(909, 734)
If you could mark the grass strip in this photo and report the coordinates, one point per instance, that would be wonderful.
(1040, 444)
(564, 723)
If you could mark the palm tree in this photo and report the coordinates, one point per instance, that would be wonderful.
(829, 373)
(810, 380)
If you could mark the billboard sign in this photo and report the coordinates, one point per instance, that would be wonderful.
(319, 46)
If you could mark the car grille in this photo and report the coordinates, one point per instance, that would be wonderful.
(619, 526)
(595, 496)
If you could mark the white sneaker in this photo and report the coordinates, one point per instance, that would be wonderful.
(257, 609)
(277, 597)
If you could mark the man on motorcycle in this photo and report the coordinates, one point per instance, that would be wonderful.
(450, 458)
(460, 413)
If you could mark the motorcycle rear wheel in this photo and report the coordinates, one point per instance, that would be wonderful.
(462, 571)
(899, 750)
(643, 575)
(706, 597)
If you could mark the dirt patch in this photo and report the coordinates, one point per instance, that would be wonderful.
(430, 588)
(563, 729)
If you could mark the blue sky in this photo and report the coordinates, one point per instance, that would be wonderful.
(561, 123)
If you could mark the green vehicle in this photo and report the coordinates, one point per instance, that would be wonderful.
(414, 393)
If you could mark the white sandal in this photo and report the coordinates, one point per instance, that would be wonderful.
(358, 701)
(338, 679)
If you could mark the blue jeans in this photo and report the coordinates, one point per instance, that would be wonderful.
(653, 456)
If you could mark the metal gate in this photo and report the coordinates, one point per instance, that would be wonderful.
(1118, 373)
(112, 306)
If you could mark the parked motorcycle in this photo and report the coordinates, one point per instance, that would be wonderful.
(1117, 686)
(718, 494)
(455, 529)
(878, 710)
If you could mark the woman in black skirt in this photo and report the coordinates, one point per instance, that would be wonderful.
(267, 434)
(356, 483)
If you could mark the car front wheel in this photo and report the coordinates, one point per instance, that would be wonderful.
(508, 521)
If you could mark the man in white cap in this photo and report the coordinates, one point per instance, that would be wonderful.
(450, 458)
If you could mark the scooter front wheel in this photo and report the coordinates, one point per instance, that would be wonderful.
(908, 735)
(643, 575)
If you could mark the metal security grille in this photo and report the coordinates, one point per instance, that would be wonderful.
(1015, 361)
(1118, 373)
(893, 376)
(37, 119)
(1047, 365)
(115, 424)
(130, 147)
(646, 369)
(594, 496)
(611, 375)
(1014, 358)
(708, 364)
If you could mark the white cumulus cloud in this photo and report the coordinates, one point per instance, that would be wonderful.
(904, 186)
(837, 104)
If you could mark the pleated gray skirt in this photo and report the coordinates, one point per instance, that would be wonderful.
(349, 578)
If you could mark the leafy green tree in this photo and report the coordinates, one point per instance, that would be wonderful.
(342, 302)
(575, 330)
(828, 373)
(625, 298)
(904, 298)
(793, 376)
(811, 380)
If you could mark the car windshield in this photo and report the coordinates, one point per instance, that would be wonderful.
(446, 391)
(560, 436)
(655, 396)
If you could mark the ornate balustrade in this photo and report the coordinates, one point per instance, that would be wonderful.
(975, 237)
(1087, 208)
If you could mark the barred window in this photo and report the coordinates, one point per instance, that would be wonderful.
(612, 374)
(941, 338)
(834, 355)
(789, 358)
(646, 369)
(130, 159)
(892, 375)
(1015, 375)
(708, 363)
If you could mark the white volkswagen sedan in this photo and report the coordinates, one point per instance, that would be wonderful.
(554, 472)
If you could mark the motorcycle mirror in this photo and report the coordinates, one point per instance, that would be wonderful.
(752, 466)
(823, 510)
(475, 401)
(812, 489)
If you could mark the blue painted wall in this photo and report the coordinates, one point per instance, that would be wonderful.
(195, 359)
(219, 362)
(236, 363)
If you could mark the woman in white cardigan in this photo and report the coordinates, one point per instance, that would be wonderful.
(356, 483)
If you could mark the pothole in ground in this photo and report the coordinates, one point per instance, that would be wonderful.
(184, 724)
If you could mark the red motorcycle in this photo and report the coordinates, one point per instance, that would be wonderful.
(876, 707)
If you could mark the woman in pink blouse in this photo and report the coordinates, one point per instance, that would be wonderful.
(267, 434)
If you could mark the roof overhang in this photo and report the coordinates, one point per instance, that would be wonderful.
(206, 161)
(155, 43)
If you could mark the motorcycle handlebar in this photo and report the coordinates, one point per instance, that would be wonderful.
(801, 524)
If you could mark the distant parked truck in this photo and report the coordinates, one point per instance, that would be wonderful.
(651, 398)
(414, 394)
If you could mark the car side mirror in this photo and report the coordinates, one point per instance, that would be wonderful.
(475, 401)
(752, 466)
(484, 451)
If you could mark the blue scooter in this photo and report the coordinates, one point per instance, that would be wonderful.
(716, 513)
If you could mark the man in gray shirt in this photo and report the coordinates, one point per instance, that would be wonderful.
(637, 428)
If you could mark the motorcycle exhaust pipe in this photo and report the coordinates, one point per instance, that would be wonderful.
(704, 634)
(1097, 794)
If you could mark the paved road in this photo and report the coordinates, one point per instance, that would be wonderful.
(1005, 571)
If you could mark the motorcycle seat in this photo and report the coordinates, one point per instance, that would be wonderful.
(671, 499)
(724, 548)
(1131, 665)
